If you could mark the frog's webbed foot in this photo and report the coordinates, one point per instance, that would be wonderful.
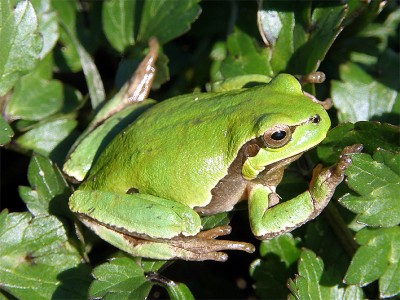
(204, 246)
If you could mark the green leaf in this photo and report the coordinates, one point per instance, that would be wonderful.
(35, 98)
(276, 266)
(48, 26)
(92, 75)
(162, 19)
(121, 278)
(152, 265)
(333, 243)
(44, 138)
(376, 183)
(74, 49)
(6, 132)
(49, 191)
(284, 246)
(213, 221)
(300, 35)
(372, 135)
(377, 258)
(118, 23)
(245, 57)
(20, 43)
(179, 291)
(66, 55)
(360, 97)
(166, 19)
(36, 260)
(309, 283)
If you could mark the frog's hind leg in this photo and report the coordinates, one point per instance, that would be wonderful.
(149, 226)
(200, 247)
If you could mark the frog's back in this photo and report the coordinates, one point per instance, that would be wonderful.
(182, 147)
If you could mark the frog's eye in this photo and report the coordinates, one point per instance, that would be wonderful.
(315, 119)
(277, 136)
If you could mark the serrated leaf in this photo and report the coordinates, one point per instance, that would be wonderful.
(310, 271)
(377, 258)
(36, 260)
(309, 284)
(322, 238)
(359, 97)
(6, 132)
(20, 43)
(118, 23)
(121, 278)
(372, 135)
(376, 181)
(49, 192)
(35, 98)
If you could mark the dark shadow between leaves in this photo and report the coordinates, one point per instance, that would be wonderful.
(271, 277)
(74, 283)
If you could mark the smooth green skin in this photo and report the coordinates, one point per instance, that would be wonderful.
(177, 151)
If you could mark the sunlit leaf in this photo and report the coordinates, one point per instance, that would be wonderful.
(20, 43)
(309, 283)
(35, 98)
(358, 97)
(49, 192)
(377, 258)
(121, 278)
(376, 183)
(37, 261)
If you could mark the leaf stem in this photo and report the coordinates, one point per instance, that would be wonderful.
(340, 229)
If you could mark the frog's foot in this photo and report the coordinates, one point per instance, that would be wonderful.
(268, 219)
(204, 246)
(325, 181)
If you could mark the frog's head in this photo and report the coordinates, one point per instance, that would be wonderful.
(294, 125)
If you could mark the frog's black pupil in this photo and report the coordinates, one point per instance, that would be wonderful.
(278, 135)
(316, 119)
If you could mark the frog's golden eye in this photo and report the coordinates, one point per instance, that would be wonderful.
(277, 136)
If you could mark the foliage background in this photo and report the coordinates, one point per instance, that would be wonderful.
(59, 60)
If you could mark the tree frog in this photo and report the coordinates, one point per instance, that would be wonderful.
(200, 154)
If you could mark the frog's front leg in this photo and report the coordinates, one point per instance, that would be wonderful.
(149, 226)
(268, 220)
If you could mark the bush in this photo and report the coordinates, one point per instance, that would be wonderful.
(61, 60)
